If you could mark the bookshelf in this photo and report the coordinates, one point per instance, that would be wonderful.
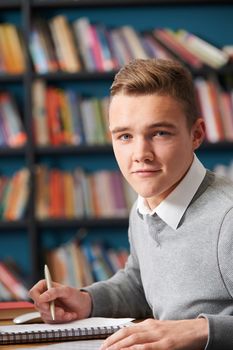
(32, 233)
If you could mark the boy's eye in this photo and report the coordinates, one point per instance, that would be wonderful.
(125, 137)
(161, 133)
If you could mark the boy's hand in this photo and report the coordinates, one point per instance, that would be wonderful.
(70, 303)
(160, 335)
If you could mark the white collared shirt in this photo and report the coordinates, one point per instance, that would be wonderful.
(172, 208)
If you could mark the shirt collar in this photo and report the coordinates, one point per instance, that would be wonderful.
(172, 208)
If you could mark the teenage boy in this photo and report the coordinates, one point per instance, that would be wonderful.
(180, 271)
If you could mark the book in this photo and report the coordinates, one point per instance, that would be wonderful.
(83, 37)
(208, 53)
(14, 195)
(5, 294)
(42, 48)
(207, 111)
(12, 283)
(39, 113)
(132, 39)
(11, 49)
(65, 47)
(226, 107)
(19, 195)
(11, 123)
(11, 309)
(90, 328)
(169, 40)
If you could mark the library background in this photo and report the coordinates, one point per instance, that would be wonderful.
(62, 199)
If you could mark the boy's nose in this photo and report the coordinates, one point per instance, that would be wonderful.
(142, 151)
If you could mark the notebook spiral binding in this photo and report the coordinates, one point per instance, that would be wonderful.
(58, 335)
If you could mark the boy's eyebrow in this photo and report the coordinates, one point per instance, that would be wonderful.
(119, 129)
(151, 126)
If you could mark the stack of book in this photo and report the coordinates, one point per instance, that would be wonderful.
(191, 49)
(61, 117)
(81, 45)
(14, 193)
(10, 309)
(81, 264)
(76, 194)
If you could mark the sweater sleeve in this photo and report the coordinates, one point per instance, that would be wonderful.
(221, 326)
(122, 295)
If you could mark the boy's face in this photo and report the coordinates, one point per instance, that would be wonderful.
(152, 143)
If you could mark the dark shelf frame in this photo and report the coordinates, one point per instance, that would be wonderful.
(11, 152)
(123, 3)
(10, 4)
(77, 150)
(107, 149)
(82, 75)
(11, 78)
(13, 225)
(218, 146)
(83, 222)
(95, 149)
(86, 76)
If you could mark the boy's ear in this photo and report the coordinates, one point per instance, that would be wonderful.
(198, 132)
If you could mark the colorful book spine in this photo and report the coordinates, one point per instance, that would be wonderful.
(76, 194)
(14, 285)
(13, 133)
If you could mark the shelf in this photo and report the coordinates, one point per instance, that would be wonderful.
(107, 149)
(227, 69)
(9, 151)
(122, 3)
(59, 76)
(13, 225)
(10, 4)
(82, 149)
(75, 76)
(87, 222)
(218, 146)
(8, 78)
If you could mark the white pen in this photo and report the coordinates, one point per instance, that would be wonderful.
(49, 285)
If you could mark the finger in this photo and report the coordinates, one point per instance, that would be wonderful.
(117, 337)
(134, 334)
(37, 290)
(121, 334)
(52, 294)
(135, 341)
(60, 316)
(146, 346)
(40, 287)
(60, 292)
(42, 302)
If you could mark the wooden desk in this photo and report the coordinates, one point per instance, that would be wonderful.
(18, 346)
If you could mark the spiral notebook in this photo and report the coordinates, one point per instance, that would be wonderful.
(90, 328)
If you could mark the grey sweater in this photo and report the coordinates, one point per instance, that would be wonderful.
(179, 274)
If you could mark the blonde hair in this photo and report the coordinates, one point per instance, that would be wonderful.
(161, 77)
